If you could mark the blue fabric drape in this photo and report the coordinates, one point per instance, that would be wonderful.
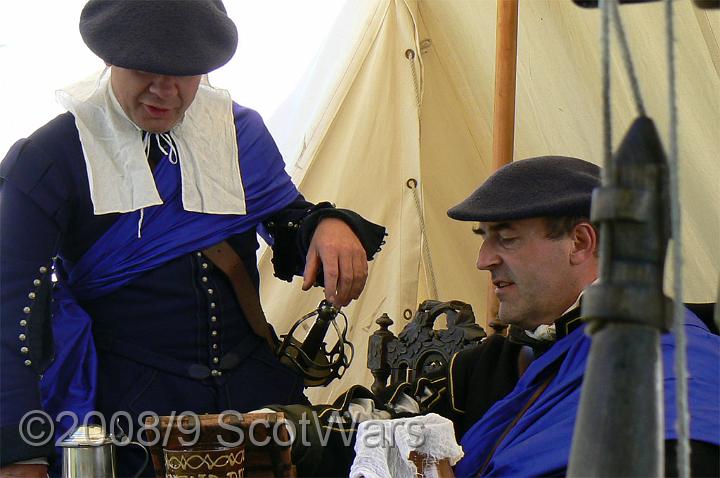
(119, 256)
(539, 444)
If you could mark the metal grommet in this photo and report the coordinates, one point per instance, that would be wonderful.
(407, 314)
(410, 54)
(411, 183)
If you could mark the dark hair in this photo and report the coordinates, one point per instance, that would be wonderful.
(562, 226)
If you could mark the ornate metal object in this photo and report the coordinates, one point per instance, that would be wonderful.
(310, 357)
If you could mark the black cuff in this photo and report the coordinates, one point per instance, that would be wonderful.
(15, 449)
(292, 238)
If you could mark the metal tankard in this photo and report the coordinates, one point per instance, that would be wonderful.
(90, 452)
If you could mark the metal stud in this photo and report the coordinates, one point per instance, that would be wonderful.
(215, 373)
(214, 346)
(43, 269)
(204, 279)
(210, 291)
(199, 254)
(204, 265)
(31, 295)
(216, 360)
(214, 333)
(37, 282)
(22, 337)
(26, 309)
(213, 319)
(212, 305)
(23, 323)
(24, 350)
(290, 224)
(28, 363)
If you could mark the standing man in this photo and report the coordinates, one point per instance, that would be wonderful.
(118, 199)
(541, 252)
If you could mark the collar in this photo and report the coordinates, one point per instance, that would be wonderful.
(116, 160)
(562, 327)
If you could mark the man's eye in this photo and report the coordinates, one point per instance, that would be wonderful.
(508, 241)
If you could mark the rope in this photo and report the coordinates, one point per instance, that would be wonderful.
(608, 166)
(627, 59)
(683, 417)
(425, 245)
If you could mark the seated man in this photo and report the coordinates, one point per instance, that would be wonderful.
(541, 251)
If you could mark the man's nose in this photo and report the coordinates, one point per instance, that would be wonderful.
(487, 259)
(163, 86)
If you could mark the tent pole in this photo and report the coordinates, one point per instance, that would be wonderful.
(504, 104)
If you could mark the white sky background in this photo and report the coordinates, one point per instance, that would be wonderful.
(41, 51)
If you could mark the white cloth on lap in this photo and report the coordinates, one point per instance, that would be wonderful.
(383, 447)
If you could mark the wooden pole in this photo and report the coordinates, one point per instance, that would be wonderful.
(504, 104)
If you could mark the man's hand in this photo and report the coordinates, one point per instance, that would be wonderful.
(24, 471)
(344, 261)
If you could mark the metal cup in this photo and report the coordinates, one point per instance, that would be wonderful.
(88, 452)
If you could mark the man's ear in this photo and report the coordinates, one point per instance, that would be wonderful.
(584, 243)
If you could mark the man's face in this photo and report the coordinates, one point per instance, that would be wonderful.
(153, 102)
(532, 275)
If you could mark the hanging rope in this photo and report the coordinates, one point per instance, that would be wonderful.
(627, 58)
(683, 417)
(412, 185)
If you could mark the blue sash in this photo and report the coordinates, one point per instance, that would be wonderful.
(119, 256)
(539, 444)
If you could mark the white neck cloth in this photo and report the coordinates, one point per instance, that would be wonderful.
(115, 157)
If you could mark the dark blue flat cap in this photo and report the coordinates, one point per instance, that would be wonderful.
(166, 37)
(547, 186)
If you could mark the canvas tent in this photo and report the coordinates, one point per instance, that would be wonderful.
(402, 95)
